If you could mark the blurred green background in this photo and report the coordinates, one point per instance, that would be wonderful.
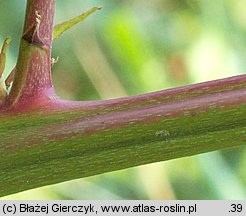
(137, 46)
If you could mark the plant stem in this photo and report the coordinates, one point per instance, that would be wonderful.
(45, 140)
(32, 85)
(68, 140)
(46, 9)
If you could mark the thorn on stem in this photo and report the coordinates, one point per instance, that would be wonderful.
(54, 61)
(10, 78)
(59, 29)
(38, 21)
(38, 16)
(32, 34)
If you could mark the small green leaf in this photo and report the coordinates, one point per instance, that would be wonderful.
(3, 55)
(59, 29)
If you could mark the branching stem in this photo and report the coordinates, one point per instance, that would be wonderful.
(45, 140)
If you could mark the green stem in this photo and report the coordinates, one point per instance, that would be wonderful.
(45, 140)
(68, 140)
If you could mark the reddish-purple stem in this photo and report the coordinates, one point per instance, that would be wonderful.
(46, 9)
(32, 85)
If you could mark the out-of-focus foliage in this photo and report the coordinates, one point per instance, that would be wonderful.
(133, 47)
